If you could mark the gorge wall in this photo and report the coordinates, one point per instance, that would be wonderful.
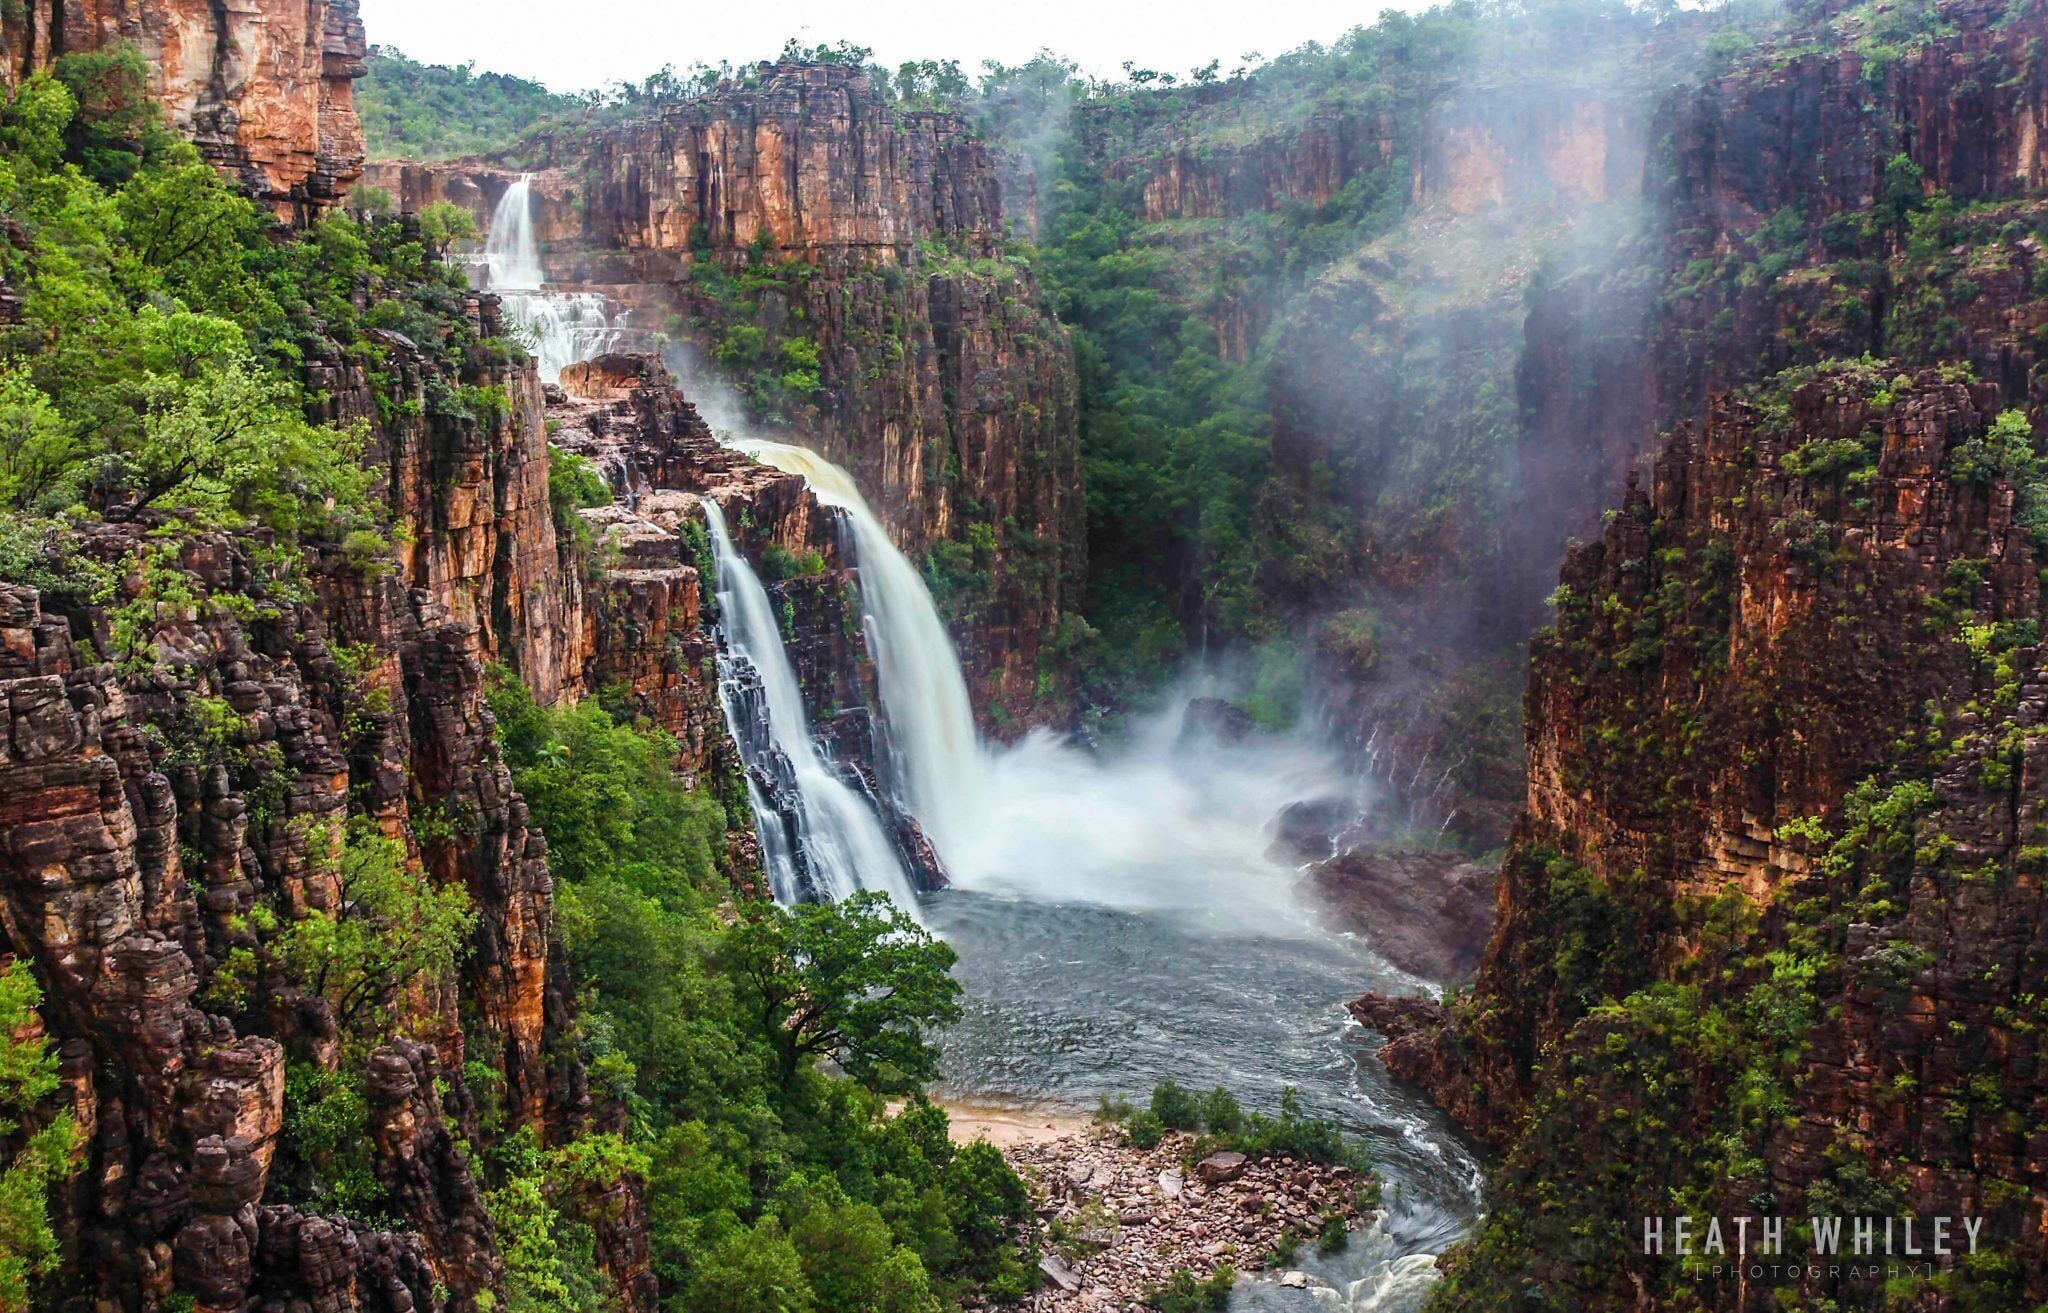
(264, 90)
(168, 808)
(1767, 936)
(842, 263)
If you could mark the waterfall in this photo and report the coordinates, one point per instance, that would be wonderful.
(563, 327)
(819, 836)
(939, 760)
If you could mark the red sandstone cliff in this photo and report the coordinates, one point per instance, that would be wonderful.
(264, 89)
(1790, 719)
(945, 384)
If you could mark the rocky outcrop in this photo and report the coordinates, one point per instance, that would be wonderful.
(874, 235)
(264, 89)
(1789, 714)
(1427, 913)
(650, 625)
(131, 864)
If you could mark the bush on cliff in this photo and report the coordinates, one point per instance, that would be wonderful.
(39, 1153)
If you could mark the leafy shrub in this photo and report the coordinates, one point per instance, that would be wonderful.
(1186, 1293)
(1174, 1107)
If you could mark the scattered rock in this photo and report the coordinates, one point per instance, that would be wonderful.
(1057, 1272)
(1126, 1219)
(1219, 1168)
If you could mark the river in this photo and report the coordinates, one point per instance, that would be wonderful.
(1122, 922)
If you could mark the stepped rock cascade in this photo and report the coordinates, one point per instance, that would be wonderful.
(564, 327)
(941, 766)
(819, 836)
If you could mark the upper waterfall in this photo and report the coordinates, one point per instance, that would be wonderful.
(563, 327)
(940, 761)
(835, 844)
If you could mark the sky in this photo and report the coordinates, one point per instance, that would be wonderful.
(573, 44)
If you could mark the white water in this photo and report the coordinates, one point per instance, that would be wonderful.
(561, 327)
(1161, 825)
(1120, 919)
(839, 837)
(939, 759)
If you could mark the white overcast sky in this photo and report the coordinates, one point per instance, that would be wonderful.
(573, 44)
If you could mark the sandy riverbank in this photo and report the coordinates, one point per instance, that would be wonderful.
(1006, 1128)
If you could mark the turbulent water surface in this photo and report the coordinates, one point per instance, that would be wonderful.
(1122, 917)
(1120, 922)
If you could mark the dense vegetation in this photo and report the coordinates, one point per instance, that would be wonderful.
(152, 385)
(772, 1185)
(431, 111)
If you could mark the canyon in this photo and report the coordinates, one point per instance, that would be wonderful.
(856, 473)
(942, 380)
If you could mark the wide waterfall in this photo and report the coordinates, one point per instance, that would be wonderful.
(930, 722)
(834, 844)
(1163, 824)
(561, 327)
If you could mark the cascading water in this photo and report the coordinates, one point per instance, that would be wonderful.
(1121, 919)
(564, 327)
(940, 761)
(834, 844)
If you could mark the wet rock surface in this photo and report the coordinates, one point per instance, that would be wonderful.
(1427, 912)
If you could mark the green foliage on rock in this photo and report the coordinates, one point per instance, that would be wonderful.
(770, 1184)
(38, 1140)
(391, 927)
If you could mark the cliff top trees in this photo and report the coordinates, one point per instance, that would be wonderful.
(147, 365)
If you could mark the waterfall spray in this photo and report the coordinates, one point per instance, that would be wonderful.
(564, 327)
(834, 844)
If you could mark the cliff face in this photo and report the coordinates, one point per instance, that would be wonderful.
(264, 89)
(1781, 198)
(1787, 724)
(1769, 919)
(165, 811)
(802, 216)
(135, 871)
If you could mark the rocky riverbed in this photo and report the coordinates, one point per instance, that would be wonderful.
(1122, 1220)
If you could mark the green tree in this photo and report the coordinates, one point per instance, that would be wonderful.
(856, 981)
(752, 1271)
(28, 1076)
(391, 928)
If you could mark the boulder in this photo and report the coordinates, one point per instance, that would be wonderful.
(1428, 913)
(1219, 1168)
(1057, 1272)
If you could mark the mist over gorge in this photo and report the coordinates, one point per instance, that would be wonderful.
(645, 699)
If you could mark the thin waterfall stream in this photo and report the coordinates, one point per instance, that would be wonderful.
(824, 839)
